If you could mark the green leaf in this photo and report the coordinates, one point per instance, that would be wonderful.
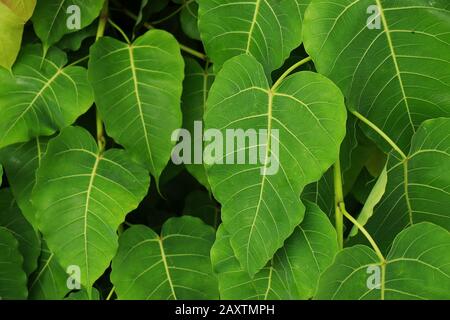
(82, 196)
(196, 86)
(304, 119)
(418, 187)
(49, 282)
(138, 90)
(13, 16)
(395, 75)
(21, 162)
(73, 41)
(83, 295)
(417, 267)
(12, 219)
(13, 280)
(266, 29)
(294, 271)
(175, 265)
(322, 193)
(52, 18)
(189, 20)
(199, 204)
(42, 96)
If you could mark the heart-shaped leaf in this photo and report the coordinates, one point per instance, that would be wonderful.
(417, 267)
(175, 265)
(300, 124)
(390, 58)
(82, 195)
(41, 96)
(138, 90)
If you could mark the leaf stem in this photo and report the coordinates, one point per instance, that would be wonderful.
(111, 293)
(124, 35)
(289, 71)
(78, 61)
(103, 19)
(338, 198)
(364, 231)
(380, 132)
(184, 48)
(173, 13)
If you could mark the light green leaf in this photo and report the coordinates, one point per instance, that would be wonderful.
(294, 271)
(138, 90)
(304, 119)
(13, 16)
(12, 219)
(52, 18)
(13, 280)
(42, 96)
(374, 198)
(418, 187)
(417, 267)
(21, 162)
(82, 196)
(196, 87)
(266, 29)
(395, 75)
(175, 265)
(49, 282)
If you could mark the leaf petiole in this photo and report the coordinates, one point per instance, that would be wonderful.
(289, 71)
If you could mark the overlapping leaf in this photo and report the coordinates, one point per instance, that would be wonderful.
(138, 90)
(294, 271)
(390, 58)
(260, 201)
(52, 19)
(266, 29)
(417, 267)
(41, 96)
(175, 265)
(82, 196)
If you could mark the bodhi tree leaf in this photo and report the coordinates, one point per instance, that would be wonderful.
(12, 219)
(84, 295)
(300, 124)
(41, 96)
(175, 265)
(21, 162)
(49, 282)
(189, 20)
(322, 193)
(82, 195)
(196, 86)
(13, 280)
(13, 16)
(417, 267)
(392, 64)
(266, 29)
(418, 187)
(138, 90)
(199, 204)
(52, 19)
(294, 271)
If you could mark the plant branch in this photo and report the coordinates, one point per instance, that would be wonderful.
(289, 71)
(338, 198)
(111, 293)
(380, 132)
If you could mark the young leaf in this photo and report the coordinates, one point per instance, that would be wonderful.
(390, 58)
(13, 280)
(52, 19)
(21, 162)
(417, 267)
(41, 96)
(82, 195)
(12, 219)
(175, 265)
(138, 90)
(266, 29)
(49, 282)
(294, 271)
(196, 87)
(418, 187)
(13, 16)
(260, 200)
